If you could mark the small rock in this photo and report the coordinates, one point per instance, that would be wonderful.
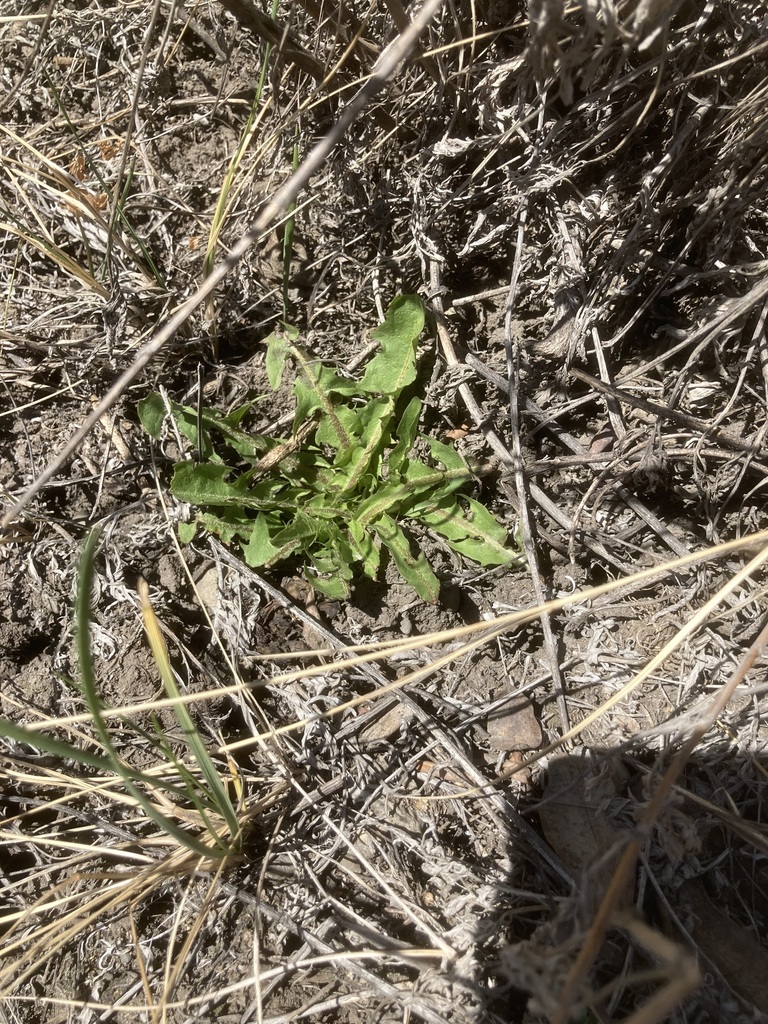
(576, 821)
(208, 588)
(383, 726)
(514, 726)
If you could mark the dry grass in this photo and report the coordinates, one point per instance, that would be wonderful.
(579, 195)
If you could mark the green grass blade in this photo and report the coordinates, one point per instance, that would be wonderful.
(88, 679)
(290, 223)
(202, 758)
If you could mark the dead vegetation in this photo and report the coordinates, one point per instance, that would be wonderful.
(540, 798)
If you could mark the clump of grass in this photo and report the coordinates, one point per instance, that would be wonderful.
(182, 815)
(200, 788)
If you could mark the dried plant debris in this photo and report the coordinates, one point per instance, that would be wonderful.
(578, 196)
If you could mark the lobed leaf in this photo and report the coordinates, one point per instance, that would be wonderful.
(364, 548)
(299, 534)
(480, 536)
(407, 429)
(207, 484)
(328, 431)
(186, 532)
(413, 568)
(229, 528)
(279, 347)
(394, 367)
(362, 459)
(153, 410)
(333, 586)
(259, 550)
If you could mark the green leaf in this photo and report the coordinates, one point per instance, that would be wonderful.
(302, 532)
(324, 507)
(383, 500)
(328, 430)
(206, 485)
(364, 458)
(333, 587)
(327, 561)
(235, 418)
(413, 568)
(394, 368)
(418, 482)
(249, 446)
(449, 457)
(259, 550)
(228, 529)
(364, 548)
(406, 437)
(243, 443)
(312, 391)
(331, 565)
(479, 536)
(429, 486)
(186, 532)
(152, 414)
(279, 347)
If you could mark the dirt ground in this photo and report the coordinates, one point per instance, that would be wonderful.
(579, 196)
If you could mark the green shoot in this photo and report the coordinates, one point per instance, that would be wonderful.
(215, 788)
(290, 225)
